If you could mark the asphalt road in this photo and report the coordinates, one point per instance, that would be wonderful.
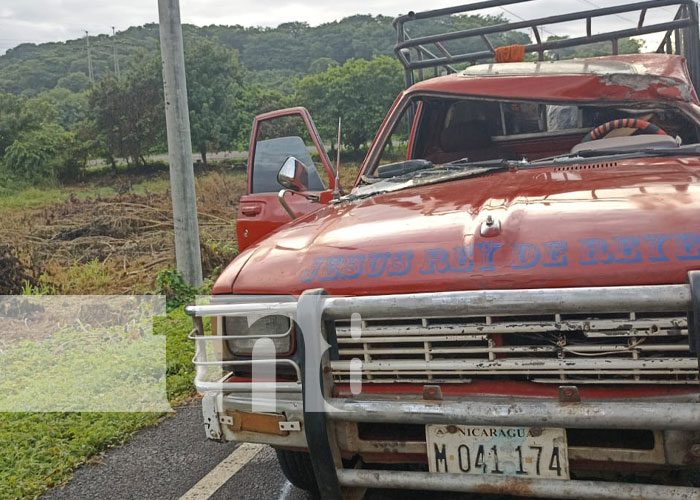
(174, 459)
(162, 462)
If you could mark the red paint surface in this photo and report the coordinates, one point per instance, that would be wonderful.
(637, 197)
(632, 199)
(670, 72)
(260, 214)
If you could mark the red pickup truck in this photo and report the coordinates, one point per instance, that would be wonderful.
(506, 301)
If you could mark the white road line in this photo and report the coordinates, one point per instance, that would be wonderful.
(285, 491)
(218, 476)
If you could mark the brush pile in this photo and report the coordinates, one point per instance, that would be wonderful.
(15, 273)
(129, 235)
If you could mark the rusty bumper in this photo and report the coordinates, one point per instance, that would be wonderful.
(540, 488)
(669, 414)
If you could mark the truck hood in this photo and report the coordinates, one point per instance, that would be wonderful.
(627, 222)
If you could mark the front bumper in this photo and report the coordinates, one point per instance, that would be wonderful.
(537, 488)
(675, 421)
(322, 431)
(670, 414)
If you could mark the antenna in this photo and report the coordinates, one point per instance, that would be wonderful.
(336, 189)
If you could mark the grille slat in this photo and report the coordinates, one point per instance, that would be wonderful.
(626, 348)
(611, 327)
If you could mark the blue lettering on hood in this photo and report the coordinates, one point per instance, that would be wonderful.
(648, 249)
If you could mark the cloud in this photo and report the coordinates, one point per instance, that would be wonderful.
(54, 20)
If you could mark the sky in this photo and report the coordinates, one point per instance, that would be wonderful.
(56, 20)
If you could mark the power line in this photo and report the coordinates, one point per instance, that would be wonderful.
(91, 75)
(523, 19)
(599, 7)
(589, 2)
(116, 59)
(75, 46)
(19, 22)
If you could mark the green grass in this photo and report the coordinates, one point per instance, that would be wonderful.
(40, 450)
(36, 197)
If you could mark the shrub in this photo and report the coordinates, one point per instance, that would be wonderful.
(47, 153)
(170, 283)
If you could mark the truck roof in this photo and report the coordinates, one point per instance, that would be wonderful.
(639, 77)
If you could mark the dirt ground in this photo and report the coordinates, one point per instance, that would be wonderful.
(116, 243)
(113, 244)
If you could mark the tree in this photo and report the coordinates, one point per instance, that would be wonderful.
(10, 123)
(106, 103)
(321, 64)
(280, 80)
(19, 115)
(625, 46)
(359, 91)
(46, 153)
(144, 119)
(75, 82)
(214, 90)
(288, 51)
(257, 100)
(129, 113)
(71, 108)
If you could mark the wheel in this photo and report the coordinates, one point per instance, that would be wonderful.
(296, 467)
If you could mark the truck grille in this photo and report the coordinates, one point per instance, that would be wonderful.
(628, 348)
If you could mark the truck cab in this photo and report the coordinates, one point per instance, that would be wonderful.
(507, 300)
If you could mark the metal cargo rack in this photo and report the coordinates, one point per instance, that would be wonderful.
(429, 52)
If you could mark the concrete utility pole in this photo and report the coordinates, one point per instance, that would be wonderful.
(177, 117)
(91, 75)
(114, 51)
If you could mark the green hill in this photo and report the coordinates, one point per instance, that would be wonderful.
(273, 56)
(53, 119)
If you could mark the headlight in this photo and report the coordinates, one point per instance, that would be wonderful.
(279, 327)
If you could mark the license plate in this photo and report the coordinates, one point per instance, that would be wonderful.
(506, 451)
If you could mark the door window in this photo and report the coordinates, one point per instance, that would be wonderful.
(276, 140)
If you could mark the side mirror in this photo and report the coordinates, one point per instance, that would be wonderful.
(294, 175)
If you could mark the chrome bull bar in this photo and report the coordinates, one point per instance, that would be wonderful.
(640, 414)
(663, 415)
(200, 361)
(539, 488)
(648, 299)
(651, 298)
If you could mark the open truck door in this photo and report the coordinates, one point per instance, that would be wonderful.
(289, 174)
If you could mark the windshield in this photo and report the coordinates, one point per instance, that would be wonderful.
(436, 135)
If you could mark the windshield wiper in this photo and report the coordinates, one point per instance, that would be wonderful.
(499, 162)
(423, 168)
(441, 173)
(402, 168)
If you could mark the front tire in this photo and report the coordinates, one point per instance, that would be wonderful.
(694, 478)
(296, 467)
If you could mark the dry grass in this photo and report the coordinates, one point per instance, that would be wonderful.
(348, 174)
(102, 239)
(114, 244)
(114, 241)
